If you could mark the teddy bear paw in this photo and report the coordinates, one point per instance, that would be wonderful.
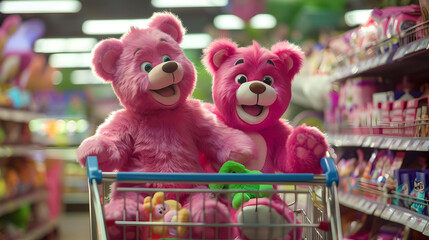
(262, 215)
(307, 146)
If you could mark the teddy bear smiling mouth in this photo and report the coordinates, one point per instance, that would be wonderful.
(166, 91)
(254, 110)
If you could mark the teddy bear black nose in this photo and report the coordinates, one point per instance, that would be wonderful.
(169, 67)
(257, 88)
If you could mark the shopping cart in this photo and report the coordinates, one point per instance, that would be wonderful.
(312, 198)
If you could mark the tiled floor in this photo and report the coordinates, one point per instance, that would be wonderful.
(74, 226)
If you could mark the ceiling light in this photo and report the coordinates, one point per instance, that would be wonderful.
(188, 3)
(57, 45)
(195, 41)
(79, 77)
(357, 17)
(263, 21)
(232, 22)
(228, 22)
(119, 26)
(14, 7)
(70, 60)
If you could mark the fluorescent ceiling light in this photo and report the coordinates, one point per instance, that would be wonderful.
(232, 22)
(228, 22)
(13, 7)
(263, 21)
(79, 77)
(58, 45)
(195, 41)
(70, 60)
(119, 26)
(357, 17)
(188, 3)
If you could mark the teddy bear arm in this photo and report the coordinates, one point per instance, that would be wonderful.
(218, 141)
(111, 144)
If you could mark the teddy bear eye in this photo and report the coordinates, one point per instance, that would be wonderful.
(240, 79)
(166, 58)
(146, 67)
(268, 80)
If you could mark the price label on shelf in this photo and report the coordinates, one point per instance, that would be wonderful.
(423, 145)
(404, 144)
(379, 210)
(383, 59)
(387, 213)
(422, 44)
(367, 142)
(411, 221)
(396, 142)
(376, 142)
(386, 143)
(413, 145)
(426, 231)
(399, 53)
(420, 224)
(396, 216)
(369, 207)
(411, 47)
(405, 217)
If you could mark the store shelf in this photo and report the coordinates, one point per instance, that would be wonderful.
(379, 141)
(19, 150)
(12, 204)
(75, 198)
(40, 231)
(404, 55)
(66, 153)
(14, 115)
(389, 212)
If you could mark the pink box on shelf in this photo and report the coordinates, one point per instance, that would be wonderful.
(397, 118)
(385, 118)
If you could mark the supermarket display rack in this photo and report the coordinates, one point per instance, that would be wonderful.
(411, 56)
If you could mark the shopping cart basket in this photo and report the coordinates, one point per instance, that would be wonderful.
(312, 198)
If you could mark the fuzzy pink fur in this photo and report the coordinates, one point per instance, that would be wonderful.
(147, 135)
(288, 150)
(285, 153)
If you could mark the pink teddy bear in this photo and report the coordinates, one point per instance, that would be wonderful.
(160, 128)
(251, 91)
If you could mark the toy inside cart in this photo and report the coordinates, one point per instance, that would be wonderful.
(311, 198)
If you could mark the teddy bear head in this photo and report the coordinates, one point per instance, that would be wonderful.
(252, 85)
(146, 67)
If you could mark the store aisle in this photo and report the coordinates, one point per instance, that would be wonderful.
(74, 226)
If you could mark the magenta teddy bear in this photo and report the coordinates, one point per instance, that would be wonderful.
(251, 91)
(160, 128)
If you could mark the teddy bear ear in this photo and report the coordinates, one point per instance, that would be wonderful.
(217, 52)
(291, 55)
(169, 24)
(105, 58)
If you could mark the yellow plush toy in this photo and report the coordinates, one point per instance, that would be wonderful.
(160, 210)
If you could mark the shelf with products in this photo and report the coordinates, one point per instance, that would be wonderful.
(381, 199)
(379, 141)
(403, 53)
(41, 230)
(13, 203)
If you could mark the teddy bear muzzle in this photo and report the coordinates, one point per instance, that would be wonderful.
(163, 80)
(253, 101)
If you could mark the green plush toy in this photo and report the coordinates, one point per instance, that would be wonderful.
(240, 198)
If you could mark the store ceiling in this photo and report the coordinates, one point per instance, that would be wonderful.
(70, 24)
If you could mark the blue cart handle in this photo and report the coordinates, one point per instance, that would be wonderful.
(92, 169)
(330, 170)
